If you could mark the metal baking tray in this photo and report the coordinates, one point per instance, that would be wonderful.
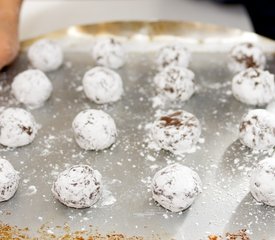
(126, 207)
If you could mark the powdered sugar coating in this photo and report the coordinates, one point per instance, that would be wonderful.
(176, 187)
(254, 86)
(32, 87)
(246, 55)
(175, 83)
(18, 127)
(94, 129)
(262, 182)
(109, 52)
(78, 187)
(45, 55)
(102, 85)
(173, 55)
(257, 129)
(9, 180)
(177, 132)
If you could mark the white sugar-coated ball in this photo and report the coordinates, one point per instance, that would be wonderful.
(262, 182)
(177, 132)
(102, 85)
(257, 129)
(78, 187)
(45, 55)
(94, 129)
(32, 87)
(175, 83)
(17, 127)
(173, 55)
(254, 86)
(176, 187)
(109, 52)
(246, 55)
(9, 180)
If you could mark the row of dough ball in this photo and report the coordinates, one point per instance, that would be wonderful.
(254, 86)
(174, 187)
(100, 84)
(177, 131)
(93, 129)
(47, 55)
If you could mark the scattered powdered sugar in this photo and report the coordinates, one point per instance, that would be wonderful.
(107, 198)
(31, 190)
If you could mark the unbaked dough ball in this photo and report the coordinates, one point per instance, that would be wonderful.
(173, 55)
(254, 86)
(78, 187)
(32, 87)
(17, 127)
(109, 52)
(177, 132)
(257, 129)
(246, 55)
(45, 55)
(175, 83)
(94, 129)
(9, 180)
(176, 187)
(262, 182)
(102, 85)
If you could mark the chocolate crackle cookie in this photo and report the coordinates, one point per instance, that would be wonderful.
(78, 187)
(262, 182)
(45, 55)
(246, 55)
(254, 86)
(17, 127)
(257, 130)
(32, 87)
(177, 132)
(173, 55)
(109, 52)
(9, 180)
(175, 83)
(102, 85)
(94, 129)
(176, 187)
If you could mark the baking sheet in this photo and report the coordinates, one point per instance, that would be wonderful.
(126, 207)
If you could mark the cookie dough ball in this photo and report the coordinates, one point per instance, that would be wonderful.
(94, 130)
(78, 187)
(45, 55)
(176, 187)
(254, 86)
(9, 180)
(17, 127)
(177, 132)
(173, 55)
(262, 182)
(32, 87)
(109, 52)
(246, 55)
(257, 130)
(102, 85)
(175, 83)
